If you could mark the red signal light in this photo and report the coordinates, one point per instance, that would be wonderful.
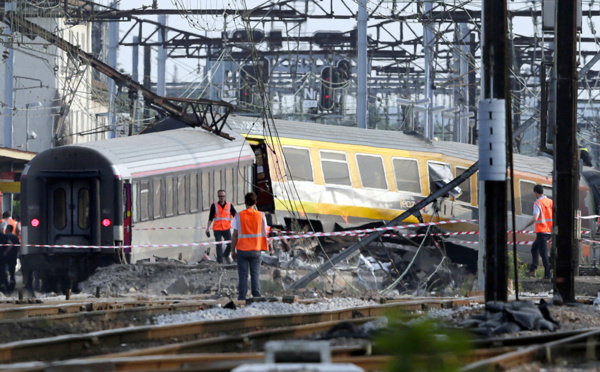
(327, 96)
(35, 222)
(106, 222)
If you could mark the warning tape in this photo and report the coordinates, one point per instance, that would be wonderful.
(168, 228)
(361, 232)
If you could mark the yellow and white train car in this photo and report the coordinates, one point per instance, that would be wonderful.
(349, 176)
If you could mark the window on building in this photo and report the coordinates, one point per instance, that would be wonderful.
(371, 170)
(335, 168)
(298, 164)
(406, 172)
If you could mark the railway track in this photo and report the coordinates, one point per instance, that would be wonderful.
(259, 329)
(224, 344)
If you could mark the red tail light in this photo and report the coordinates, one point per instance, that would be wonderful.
(35, 222)
(106, 222)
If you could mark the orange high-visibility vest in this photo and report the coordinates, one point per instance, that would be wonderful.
(543, 224)
(252, 230)
(222, 220)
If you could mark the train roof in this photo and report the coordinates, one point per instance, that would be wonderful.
(146, 153)
(379, 138)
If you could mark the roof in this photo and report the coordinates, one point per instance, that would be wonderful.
(378, 138)
(184, 147)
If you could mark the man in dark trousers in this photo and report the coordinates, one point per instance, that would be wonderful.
(249, 240)
(3, 263)
(12, 253)
(221, 214)
(542, 217)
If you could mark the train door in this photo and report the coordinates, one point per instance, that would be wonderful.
(262, 178)
(70, 221)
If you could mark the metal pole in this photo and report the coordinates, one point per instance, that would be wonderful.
(493, 224)
(361, 78)
(566, 170)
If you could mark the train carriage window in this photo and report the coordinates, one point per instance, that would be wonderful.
(144, 201)
(83, 208)
(298, 164)
(240, 185)
(335, 168)
(440, 174)
(205, 186)
(465, 186)
(169, 194)
(135, 211)
(372, 173)
(157, 197)
(229, 182)
(217, 185)
(60, 208)
(181, 195)
(193, 192)
(406, 172)
(527, 197)
(547, 191)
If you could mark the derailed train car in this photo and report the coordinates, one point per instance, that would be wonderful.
(89, 200)
(85, 200)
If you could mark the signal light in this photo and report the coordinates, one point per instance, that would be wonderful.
(35, 222)
(106, 222)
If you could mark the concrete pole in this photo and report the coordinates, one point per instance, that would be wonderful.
(493, 123)
(113, 41)
(428, 50)
(566, 161)
(135, 59)
(161, 88)
(362, 65)
(8, 92)
(463, 122)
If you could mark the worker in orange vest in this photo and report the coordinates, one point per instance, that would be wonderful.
(542, 217)
(221, 213)
(248, 241)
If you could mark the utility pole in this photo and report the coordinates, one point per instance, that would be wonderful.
(566, 171)
(493, 120)
(362, 68)
(8, 81)
(113, 41)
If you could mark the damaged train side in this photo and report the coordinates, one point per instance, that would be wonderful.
(323, 178)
